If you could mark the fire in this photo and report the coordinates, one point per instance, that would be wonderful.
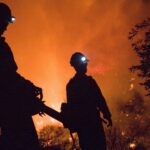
(132, 145)
(99, 69)
(132, 79)
(43, 48)
(40, 123)
(122, 133)
(131, 87)
(127, 115)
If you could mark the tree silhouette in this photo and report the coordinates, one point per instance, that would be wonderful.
(140, 37)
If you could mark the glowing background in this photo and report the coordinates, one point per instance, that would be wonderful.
(47, 32)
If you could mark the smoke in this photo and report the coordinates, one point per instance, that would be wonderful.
(47, 32)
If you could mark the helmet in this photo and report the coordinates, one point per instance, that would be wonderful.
(78, 59)
(5, 13)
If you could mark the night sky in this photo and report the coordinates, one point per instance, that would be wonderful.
(47, 32)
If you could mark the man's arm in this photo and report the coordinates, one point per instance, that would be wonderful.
(101, 102)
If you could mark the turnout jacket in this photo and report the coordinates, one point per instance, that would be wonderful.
(84, 95)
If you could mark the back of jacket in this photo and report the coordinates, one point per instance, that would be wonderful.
(85, 96)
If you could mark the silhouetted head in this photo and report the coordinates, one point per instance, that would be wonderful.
(79, 62)
(5, 17)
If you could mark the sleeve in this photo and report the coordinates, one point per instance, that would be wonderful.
(68, 92)
(100, 100)
(14, 82)
(9, 78)
(22, 82)
(7, 61)
(30, 100)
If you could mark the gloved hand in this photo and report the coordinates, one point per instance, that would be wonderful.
(109, 122)
(39, 92)
(41, 105)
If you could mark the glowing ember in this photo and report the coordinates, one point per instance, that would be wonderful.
(70, 139)
(131, 86)
(127, 115)
(132, 145)
(132, 79)
(122, 133)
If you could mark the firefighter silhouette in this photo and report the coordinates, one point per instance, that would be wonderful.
(86, 101)
(18, 97)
